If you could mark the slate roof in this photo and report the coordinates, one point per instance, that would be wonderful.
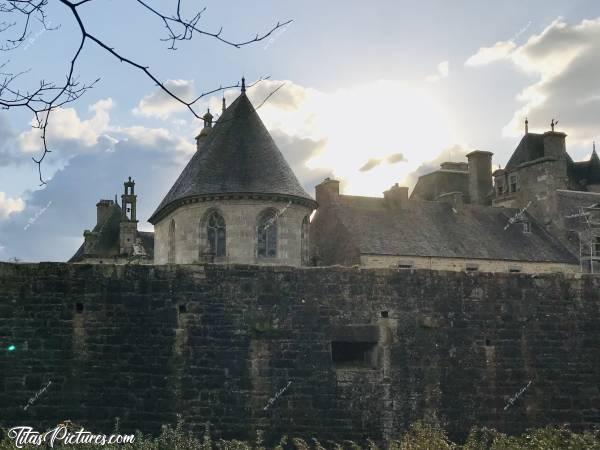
(107, 244)
(531, 147)
(238, 156)
(584, 172)
(429, 228)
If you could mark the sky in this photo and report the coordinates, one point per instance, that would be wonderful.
(374, 93)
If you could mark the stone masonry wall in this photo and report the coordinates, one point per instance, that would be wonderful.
(214, 343)
(241, 218)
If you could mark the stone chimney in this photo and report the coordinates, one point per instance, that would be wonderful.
(480, 176)
(327, 191)
(554, 145)
(396, 196)
(103, 210)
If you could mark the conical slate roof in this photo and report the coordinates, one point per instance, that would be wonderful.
(239, 156)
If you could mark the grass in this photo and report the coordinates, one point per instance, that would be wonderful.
(420, 436)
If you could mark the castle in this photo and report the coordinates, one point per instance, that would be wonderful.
(238, 201)
(375, 313)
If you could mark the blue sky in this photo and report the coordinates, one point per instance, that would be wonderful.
(375, 93)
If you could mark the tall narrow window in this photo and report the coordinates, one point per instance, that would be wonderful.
(267, 234)
(304, 241)
(172, 242)
(514, 183)
(596, 248)
(216, 233)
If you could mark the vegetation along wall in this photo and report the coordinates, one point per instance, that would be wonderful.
(338, 353)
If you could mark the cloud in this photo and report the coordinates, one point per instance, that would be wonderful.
(375, 162)
(10, 205)
(563, 59)
(370, 164)
(50, 226)
(486, 55)
(443, 69)
(396, 158)
(66, 128)
(161, 105)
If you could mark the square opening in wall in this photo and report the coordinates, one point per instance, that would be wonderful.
(182, 308)
(349, 355)
(79, 308)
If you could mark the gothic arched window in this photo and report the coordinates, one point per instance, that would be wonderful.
(267, 234)
(172, 242)
(216, 233)
(304, 241)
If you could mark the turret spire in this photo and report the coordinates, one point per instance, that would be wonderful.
(526, 126)
(243, 85)
(224, 107)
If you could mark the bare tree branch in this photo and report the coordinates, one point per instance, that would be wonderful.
(48, 96)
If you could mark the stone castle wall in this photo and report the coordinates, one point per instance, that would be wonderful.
(241, 218)
(363, 352)
(462, 264)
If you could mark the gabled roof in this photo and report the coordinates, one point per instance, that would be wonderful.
(107, 242)
(531, 147)
(435, 229)
(238, 156)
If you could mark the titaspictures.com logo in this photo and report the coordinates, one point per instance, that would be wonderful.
(25, 435)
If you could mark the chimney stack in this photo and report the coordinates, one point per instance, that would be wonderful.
(554, 144)
(103, 210)
(397, 196)
(480, 176)
(327, 191)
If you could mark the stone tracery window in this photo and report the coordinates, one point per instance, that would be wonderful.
(171, 255)
(216, 233)
(304, 242)
(267, 234)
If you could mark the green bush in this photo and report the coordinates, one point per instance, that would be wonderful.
(420, 436)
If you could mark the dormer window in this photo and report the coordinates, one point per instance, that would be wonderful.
(526, 226)
(514, 183)
(500, 187)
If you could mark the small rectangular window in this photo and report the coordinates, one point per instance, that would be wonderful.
(406, 265)
(596, 248)
(472, 268)
(526, 227)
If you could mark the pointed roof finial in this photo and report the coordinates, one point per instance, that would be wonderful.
(224, 107)
(526, 126)
(243, 85)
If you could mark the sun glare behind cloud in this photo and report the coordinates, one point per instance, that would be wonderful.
(376, 133)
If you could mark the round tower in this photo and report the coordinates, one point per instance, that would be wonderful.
(237, 200)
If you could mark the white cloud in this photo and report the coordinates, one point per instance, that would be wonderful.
(443, 69)
(485, 55)
(66, 125)
(10, 205)
(162, 105)
(563, 59)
